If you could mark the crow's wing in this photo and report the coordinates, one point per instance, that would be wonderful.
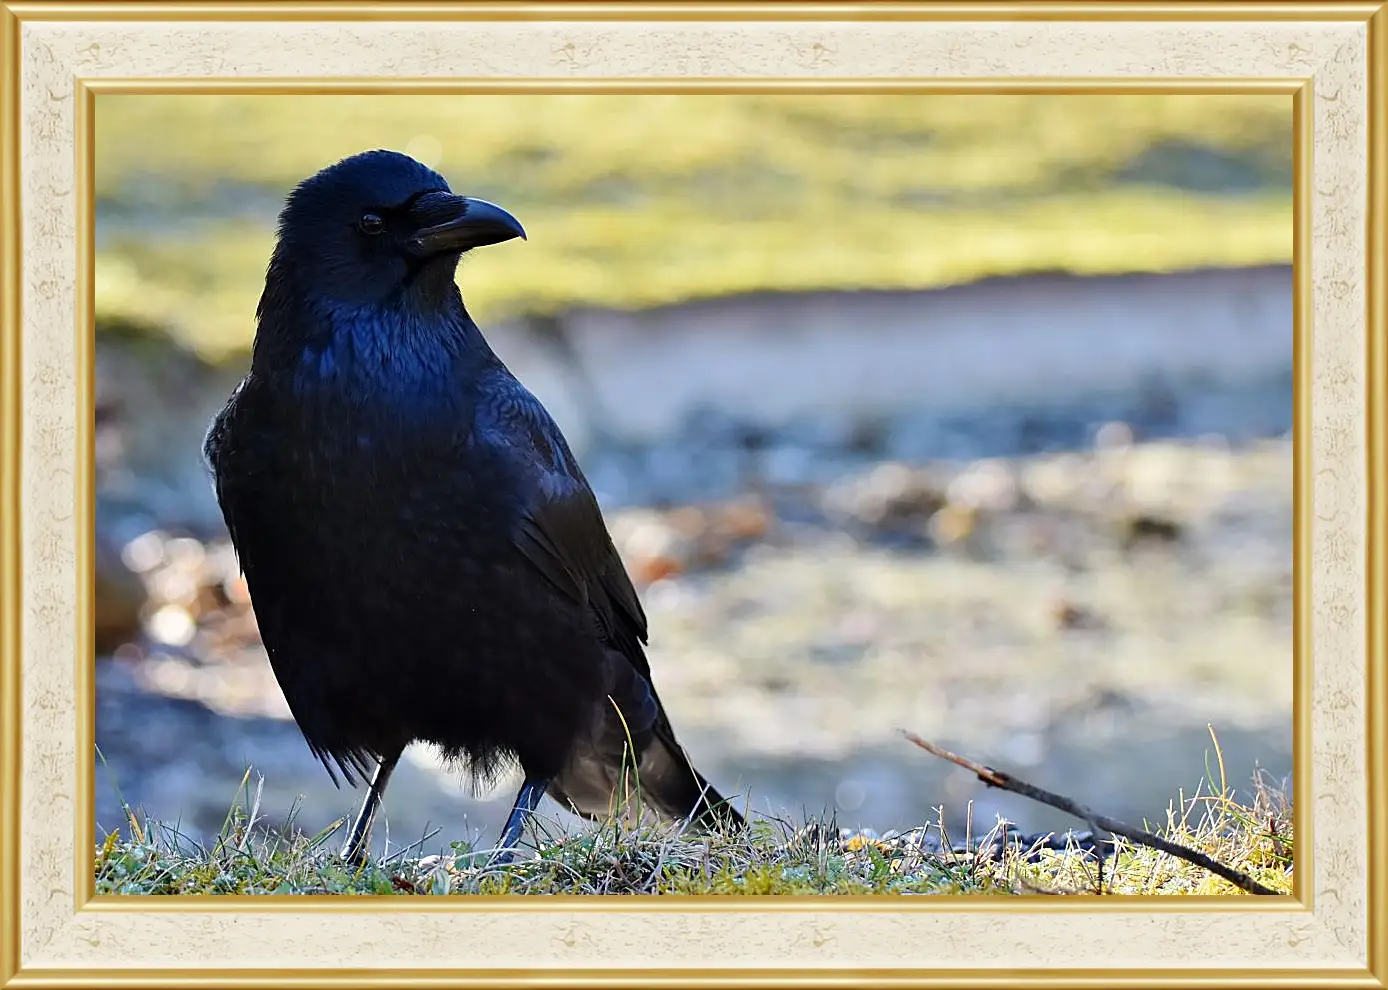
(561, 531)
(562, 535)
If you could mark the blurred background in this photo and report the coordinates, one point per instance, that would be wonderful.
(963, 414)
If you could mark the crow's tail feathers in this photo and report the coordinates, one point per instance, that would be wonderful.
(672, 784)
(597, 778)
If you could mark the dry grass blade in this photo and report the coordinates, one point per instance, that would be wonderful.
(1006, 782)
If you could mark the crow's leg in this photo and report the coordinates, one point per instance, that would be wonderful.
(354, 851)
(526, 801)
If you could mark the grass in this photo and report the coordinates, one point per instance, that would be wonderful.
(641, 200)
(770, 858)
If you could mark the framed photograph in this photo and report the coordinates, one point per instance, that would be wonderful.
(772, 494)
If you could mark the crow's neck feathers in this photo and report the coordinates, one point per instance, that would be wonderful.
(406, 344)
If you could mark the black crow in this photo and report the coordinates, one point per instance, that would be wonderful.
(424, 556)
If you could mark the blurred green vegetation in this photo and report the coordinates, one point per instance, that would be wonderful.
(640, 200)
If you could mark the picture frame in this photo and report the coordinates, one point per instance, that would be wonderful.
(59, 57)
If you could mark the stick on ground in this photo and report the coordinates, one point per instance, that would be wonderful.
(1006, 782)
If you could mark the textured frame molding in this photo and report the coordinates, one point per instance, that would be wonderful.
(1328, 58)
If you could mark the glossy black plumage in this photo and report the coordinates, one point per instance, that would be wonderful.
(425, 558)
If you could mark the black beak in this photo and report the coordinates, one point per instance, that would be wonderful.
(459, 223)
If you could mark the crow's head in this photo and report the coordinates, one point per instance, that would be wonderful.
(380, 225)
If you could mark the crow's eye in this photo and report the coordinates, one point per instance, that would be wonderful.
(371, 224)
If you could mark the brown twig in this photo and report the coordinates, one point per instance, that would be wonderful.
(1006, 782)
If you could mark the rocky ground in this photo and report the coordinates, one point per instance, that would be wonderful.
(1079, 617)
